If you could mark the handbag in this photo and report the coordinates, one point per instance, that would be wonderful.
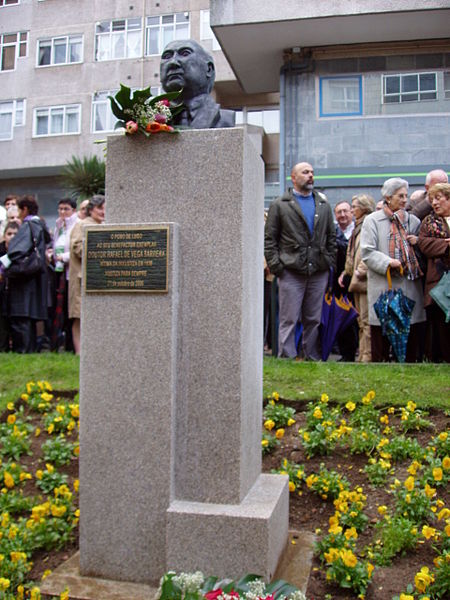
(441, 294)
(29, 265)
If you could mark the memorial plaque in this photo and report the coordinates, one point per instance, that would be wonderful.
(126, 259)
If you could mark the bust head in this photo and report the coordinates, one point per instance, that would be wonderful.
(187, 65)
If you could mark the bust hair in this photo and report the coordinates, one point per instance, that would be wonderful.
(366, 203)
(29, 202)
(390, 186)
(97, 200)
(443, 188)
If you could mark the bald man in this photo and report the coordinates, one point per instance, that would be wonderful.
(422, 206)
(300, 247)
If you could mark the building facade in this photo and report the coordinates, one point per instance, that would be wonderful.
(59, 61)
(364, 87)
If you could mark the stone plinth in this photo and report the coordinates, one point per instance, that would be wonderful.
(188, 445)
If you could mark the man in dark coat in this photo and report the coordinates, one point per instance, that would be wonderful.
(27, 302)
(185, 65)
(300, 247)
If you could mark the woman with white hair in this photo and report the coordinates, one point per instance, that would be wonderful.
(388, 238)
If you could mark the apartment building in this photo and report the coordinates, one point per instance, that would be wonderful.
(364, 86)
(59, 61)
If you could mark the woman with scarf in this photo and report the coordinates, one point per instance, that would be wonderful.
(434, 242)
(356, 269)
(388, 237)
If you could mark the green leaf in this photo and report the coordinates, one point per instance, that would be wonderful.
(116, 110)
(208, 584)
(168, 96)
(279, 587)
(123, 97)
(141, 95)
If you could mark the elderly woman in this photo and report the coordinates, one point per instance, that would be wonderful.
(95, 216)
(388, 238)
(356, 269)
(434, 242)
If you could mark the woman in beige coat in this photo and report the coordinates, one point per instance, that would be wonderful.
(362, 205)
(96, 215)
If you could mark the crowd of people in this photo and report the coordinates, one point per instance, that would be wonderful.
(368, 247)
(40, 274)
(357, 251)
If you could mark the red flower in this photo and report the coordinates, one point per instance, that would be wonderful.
(213, 594)
(131, 127)
(165, 102)
(160, 118)
(153, 127)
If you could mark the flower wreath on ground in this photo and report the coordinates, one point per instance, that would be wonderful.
(195, 586)
(139, 111)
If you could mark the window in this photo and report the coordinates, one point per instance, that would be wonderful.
(60, 50)
(121, 38)
(206, 33)
(268, 119)
(340, 96)
(57, 120)
(11, 46)
(9, 2)
(447, 85)
(161, 30)
(102, 116)
(12, 114)
(409, 87)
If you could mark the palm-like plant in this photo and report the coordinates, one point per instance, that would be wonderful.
(85, 176)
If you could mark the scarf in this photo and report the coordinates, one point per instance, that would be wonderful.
(352, 241)
(435, 226)
(399, 247)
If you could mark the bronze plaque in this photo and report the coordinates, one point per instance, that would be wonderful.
(126, 259)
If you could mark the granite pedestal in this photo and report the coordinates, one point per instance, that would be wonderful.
(171, 385)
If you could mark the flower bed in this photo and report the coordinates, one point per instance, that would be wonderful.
(373, 484)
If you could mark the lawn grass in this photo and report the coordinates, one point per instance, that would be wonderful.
(61, 370)
(428, 385)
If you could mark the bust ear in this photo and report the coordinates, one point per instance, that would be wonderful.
(210, 69)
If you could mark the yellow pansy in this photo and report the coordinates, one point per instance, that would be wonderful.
(437, 474)
(264, 443)
(324, 398)
(45, 574)
(4, 584)
(409, 483)
(423, 579)
(351, 533)
(10, 406)
(350, 406)
(446, 463)
(291, 486)
(279, 433)
(317, 414)
(348, 558)
(275, 396)
(11, 419)
(9, 481)
(331, 555)
(443, 436)
(428, 532)
(269, 424)
(429, 491)
(382, 509)
(411, 406)
(406, 597)
(370, 569)
(290, 422)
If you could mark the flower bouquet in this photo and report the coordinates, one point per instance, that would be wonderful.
(138, 111)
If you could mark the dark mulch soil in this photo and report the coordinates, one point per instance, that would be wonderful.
(309, 512)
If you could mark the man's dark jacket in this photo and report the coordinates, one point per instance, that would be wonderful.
(288, 243)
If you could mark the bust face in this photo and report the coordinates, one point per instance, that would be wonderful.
(184, 65)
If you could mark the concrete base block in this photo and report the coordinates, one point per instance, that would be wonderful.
(229, 540)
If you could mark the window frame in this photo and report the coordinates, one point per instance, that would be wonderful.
(65, 108)
(18, 45)
(110, 33)
(206, 33)
(52, 50)
(3, 5)
(163, 26)
(358, 113)
(14, 111)
(400, 93)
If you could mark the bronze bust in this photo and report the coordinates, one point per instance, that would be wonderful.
(186, 65)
